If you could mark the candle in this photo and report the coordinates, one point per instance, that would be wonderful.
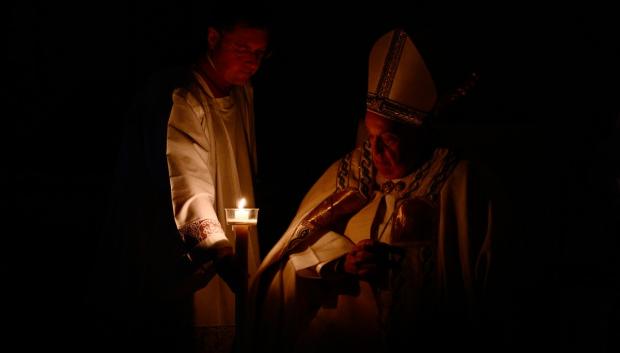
(242, 232)
(241, 215)
(241, 219)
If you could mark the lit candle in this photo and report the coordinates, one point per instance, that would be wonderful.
(242, 214)
(242, 232)
(241, 219)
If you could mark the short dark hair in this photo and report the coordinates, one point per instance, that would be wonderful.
(227, 15)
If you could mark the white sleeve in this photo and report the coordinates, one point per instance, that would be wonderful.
(192, 177)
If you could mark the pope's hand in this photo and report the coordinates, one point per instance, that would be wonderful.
(367, 260)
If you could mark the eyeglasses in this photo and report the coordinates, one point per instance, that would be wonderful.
(243, 51)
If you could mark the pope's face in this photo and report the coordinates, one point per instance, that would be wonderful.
(391, 153)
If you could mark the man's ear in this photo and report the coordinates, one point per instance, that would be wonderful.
(213, 37)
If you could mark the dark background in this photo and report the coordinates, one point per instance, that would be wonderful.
(548, 125)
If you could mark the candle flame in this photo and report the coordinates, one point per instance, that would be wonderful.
(241, 203)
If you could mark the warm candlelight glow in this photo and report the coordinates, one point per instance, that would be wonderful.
(241, 213)
(241, 203)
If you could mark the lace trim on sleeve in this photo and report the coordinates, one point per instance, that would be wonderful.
(199, 230)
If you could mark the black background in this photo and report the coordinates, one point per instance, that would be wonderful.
(548, 126)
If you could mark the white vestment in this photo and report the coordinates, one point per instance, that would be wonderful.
(444, 266)
(211, 156)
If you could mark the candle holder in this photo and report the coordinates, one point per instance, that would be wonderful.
(241, 219)
(241, 216)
